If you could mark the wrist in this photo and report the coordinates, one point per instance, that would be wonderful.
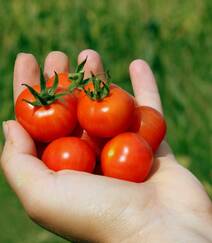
(187, 228)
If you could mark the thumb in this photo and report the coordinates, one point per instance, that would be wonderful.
(17, 139)
(19, 164)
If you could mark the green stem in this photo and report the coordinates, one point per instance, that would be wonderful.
(101, 88)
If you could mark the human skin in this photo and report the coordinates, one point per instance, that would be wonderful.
(171, 206)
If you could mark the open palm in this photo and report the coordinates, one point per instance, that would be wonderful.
(171, 206)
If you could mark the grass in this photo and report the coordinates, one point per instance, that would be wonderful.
(174, 37)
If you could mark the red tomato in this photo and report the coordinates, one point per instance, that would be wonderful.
(150, 125)
(69, 153)
(46, 123)
(64, 81)
(128, 157)
(109, 116)
(95, 143)
(80, 93)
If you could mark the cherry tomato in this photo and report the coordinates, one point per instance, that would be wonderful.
(64, 81)
(80, 93)
(150, 125)
(69, 153)
(95, 143)
(128, 157)
(46, 123)
(107, 117)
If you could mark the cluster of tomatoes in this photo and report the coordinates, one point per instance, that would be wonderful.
(90, 125)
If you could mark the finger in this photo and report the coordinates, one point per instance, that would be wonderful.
(26, 70)
(55, 61)
(146, 93)
(93, 63)
(144, 85)
(20, 166)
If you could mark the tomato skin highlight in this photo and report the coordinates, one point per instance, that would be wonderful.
(128, 157)
(107, 117)
(69, 153)
(46, 123)
(150, 125)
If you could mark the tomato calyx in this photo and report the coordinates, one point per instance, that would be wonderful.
(78, 81)
(47, 95)
(100, 90)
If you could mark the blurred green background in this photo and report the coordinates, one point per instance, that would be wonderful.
(173, 36)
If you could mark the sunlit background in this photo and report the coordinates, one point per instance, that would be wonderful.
(173, 36)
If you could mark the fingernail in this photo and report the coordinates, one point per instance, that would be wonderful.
(22, 53)
(5, 129)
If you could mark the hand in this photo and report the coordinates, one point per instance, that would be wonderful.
(171, 206)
